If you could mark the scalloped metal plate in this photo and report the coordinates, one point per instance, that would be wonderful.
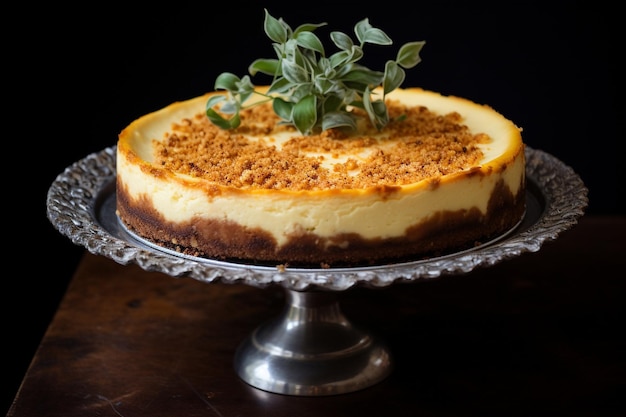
(81, 206)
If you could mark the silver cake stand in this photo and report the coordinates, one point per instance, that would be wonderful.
(311, 348)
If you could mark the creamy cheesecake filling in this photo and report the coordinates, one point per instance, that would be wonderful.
(324, 213)
(385, 221)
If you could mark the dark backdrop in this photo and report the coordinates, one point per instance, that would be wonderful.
(80, 75)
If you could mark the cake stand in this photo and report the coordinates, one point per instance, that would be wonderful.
(310, 349)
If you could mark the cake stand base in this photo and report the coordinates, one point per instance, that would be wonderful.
(311, 349)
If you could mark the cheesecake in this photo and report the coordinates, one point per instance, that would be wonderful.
(445, 174)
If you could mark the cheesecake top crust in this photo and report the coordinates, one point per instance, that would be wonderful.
(427, 138)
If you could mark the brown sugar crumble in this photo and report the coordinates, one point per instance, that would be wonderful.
(415, 145)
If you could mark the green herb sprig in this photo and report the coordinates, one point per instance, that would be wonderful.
(309, 90)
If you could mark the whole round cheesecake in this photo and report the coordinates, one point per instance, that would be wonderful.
(445, 174)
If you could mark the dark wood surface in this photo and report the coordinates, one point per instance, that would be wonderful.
(538, 335)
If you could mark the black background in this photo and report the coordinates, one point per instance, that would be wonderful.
(77, 76)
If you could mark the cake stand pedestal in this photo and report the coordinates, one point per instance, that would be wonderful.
(311, 348)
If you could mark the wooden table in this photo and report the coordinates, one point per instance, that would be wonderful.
(538, 335)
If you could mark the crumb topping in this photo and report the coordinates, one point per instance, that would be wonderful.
(262, 153)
